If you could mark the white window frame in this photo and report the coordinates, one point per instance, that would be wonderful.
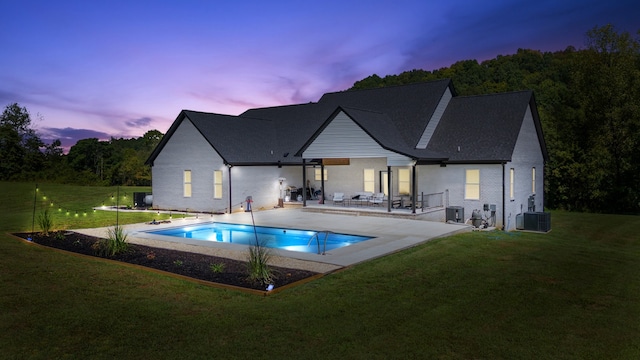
(512, 184)
(533, 180)
(369, 180)
(186, 183)
(472, 184)
(217, 184)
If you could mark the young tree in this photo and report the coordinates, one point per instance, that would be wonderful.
(19, 145)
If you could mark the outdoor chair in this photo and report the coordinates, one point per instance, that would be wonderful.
(338, 198)
(377, 199)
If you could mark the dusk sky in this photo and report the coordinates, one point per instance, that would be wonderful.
(120, 68)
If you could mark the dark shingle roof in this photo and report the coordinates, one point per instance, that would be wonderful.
(238, 140)
(293, 125)
(484, 128)
(410, 107)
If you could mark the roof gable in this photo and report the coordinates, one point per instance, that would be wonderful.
(376, 127)
(410, 106)
(343, 135)
(238, 139)
(483, 128)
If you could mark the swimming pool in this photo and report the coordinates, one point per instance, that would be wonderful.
(307, 241)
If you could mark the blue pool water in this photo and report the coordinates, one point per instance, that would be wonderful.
(286, 239)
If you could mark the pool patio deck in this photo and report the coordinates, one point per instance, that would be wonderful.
(391, 234)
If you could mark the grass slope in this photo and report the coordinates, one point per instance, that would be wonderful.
(571, 294)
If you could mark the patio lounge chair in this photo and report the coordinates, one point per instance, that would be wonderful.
(377, 199)
(338, 198)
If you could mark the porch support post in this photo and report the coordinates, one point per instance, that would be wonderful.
(230, 201)
(324, 196)
(304, 182)
(504, 219)
(389, 199)
(414, 188)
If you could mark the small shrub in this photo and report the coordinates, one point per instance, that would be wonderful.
(45, 221)
(217, 268)
(97, 246)
(115, 244)
(60, 235)
(151, 255)
(178, 262)
(258, 264)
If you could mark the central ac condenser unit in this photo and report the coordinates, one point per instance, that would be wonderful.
(537, 221)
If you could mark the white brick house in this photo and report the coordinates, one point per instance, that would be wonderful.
(414, 142)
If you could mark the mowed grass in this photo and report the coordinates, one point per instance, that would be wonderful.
(71, 207)
(573, 293)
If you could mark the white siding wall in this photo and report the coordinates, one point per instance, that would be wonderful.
(434, 179)
(527, 154)
(343, 138)
(188, 150)
(261, 183)
(435, 120)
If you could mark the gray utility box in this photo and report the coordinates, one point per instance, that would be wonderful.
(455, 214)
(520, 221)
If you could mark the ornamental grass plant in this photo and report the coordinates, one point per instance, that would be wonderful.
(258, 263)
(115, 243)
(45, 221)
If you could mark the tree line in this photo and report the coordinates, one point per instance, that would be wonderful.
(25, 157)
(589, 106)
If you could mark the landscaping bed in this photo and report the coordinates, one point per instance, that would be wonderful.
(197, 266)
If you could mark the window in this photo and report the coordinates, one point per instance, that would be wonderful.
(533, 180)
(404, 184)
(217, 184)
(318, 171)
(472, 184)
(369, 180)
(512, 183)
(187, 183)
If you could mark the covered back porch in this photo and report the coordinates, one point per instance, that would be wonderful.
(369, 186)
(358, 159)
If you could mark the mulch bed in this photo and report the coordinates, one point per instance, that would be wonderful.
(193, 265)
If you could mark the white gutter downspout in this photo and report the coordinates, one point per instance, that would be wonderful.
(504, 219)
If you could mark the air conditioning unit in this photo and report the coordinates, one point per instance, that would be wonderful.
(537, 221)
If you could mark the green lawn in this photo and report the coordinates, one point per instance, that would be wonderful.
(571, 294)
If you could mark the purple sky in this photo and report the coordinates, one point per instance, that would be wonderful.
(120, 68)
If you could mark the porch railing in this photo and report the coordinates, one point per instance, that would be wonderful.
(428, 201)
